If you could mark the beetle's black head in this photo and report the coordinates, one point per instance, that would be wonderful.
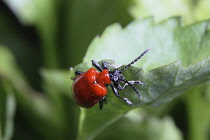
(116, 76)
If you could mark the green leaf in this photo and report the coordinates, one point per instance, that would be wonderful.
(137, 124)
(189, 10)
(164, 76)
(57, 86)
(8, 68)
(198, 102)
(40, 108)
(7, 111)
(22, 42)
(57, 81)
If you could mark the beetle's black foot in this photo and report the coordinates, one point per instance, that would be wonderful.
(101, 102)
(128, 101)
(77, 73)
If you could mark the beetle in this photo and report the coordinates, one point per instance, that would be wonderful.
(90, 87)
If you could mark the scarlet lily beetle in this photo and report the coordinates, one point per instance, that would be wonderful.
(90, 87)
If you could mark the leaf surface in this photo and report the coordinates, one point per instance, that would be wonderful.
(179, 60)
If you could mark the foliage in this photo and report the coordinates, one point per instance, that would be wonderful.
(44, 38)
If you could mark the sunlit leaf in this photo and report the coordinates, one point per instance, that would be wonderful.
(178, 61)
(189, 10)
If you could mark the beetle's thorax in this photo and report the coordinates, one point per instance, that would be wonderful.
(102, 78)
(115, 75)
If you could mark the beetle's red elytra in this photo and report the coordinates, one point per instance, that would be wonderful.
(90, 87)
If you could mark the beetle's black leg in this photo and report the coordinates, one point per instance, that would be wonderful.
(118, 95)
(132, 82)
(101, 102)
(118, 86)
(104, 65)
(134, 88)
(78, 73)
(96, 64)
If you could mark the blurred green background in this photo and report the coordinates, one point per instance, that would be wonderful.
(41, 39)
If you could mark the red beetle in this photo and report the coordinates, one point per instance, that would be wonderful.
(90, 87)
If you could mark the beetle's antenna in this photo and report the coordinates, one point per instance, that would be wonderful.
(135, 60)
